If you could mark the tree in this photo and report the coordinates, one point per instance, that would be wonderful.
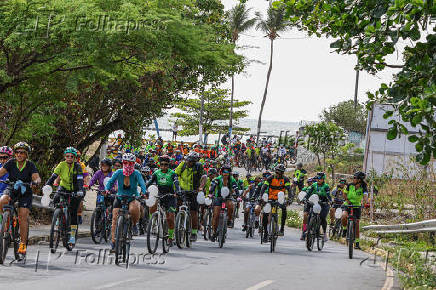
(272, 25)
(216, 113)
(240, 21)
(371, 31)
(346, 116)
(323, 138)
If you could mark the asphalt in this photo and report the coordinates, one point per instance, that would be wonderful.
(241, 264)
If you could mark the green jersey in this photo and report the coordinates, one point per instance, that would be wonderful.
(354, 195)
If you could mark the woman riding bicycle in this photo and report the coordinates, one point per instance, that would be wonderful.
(128, 180)
(71, 181)
(99, 177)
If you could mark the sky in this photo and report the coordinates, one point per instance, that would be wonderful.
(307, 76)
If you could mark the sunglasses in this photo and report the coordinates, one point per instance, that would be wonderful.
(4, 157)
(69, 156)
(164, 164)
(20, 152)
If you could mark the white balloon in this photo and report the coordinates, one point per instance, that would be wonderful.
(208, 201)
(200, 197)
(295, 179)
(105, 181)
(316, 208)
(267, 208)
(138, 189)
(314, 199)
(47, 190)
(338, 213)
(150, 201)
(153, 190)
(241, 192)
(302, 195)
(45, 200)
(265, 197)
(225, 191)
(281, 194)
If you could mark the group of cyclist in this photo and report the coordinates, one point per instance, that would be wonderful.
(130, 175)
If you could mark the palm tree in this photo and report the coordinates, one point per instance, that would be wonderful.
(240, 21)
(272, 25)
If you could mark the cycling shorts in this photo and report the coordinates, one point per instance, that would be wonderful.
(357, 212)
(24, 200)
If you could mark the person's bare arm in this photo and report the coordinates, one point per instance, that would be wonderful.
(3, 171)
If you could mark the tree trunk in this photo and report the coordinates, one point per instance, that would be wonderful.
(200, 123)
(319, 160)
(231, 106)
(259, 122)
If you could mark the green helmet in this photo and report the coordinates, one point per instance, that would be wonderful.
(71, 150)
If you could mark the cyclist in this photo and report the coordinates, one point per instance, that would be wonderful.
(128, 180)
(105, 171)
(70, 175)
(5, 154)
(338, 199)
(299, 175)
(354, 193)
(192, 177)
(251, 193)
(166, 180)
(224, 180)
(248, 179)
(322, 189)
(274, 184)
(24, 170)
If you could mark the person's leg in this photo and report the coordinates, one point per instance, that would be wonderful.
(74, 207)
(23, 215)
(230, 206)
(284, 217)
(332, 216)
(344, 223)
(215, 219)
(134, 211)
(4, 199)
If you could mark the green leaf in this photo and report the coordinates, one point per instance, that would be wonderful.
(392, 133)
(413, 138)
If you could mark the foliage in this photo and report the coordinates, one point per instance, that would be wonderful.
(371, 30)
(239, 20)
(216, 111)
(294, 219)
(346, 116)
(324, 139)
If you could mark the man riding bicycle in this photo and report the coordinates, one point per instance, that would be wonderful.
(167, 183)
(20, 169)
(338, 199)
(354, 193)
(192, 177)
(299, 175)
(71, 181)
(276, 183)
(128, 180)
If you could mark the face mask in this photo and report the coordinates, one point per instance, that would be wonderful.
(128, 168)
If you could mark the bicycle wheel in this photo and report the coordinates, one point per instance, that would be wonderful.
(319, 238)
(153, 233)
(97, 223)
(119, 238)
(16, 237)
(310, 236)
(221, 230)
(55, 230)
(4, 237)
(273, 233)
(206, 225)
(188, 230)
(127, 237)
(165, 244)
(350, 238)
(180, 231)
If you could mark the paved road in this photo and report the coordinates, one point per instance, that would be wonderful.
(241, 264)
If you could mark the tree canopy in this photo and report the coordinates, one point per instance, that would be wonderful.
(216, 112)
(346, 116)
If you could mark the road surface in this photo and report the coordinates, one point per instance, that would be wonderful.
(241, 264)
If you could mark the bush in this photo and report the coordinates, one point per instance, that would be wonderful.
(294, 220)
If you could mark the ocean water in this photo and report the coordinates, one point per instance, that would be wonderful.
(269, 127)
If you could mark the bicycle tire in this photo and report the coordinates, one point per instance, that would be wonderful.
(319, 239)
(165, 244)
(4, 237)
(221, 230)
(153, 230)
(206, 225)
(94, 226)
(310, 237)
(180, 230)
(55, 226)
(16, 238)
(350, 233)
(126, 241)
(119, 238)
(273, 233)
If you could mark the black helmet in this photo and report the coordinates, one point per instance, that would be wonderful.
(164, 158)
(212, 171)
(266, 174)
(235, 173)
(359, 175)
(116, 160)
(248, 175)
(320, 175)
(192, 157)
(280, 168)
(299, 165)
(106, 161)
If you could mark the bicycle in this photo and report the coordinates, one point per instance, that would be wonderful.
(183, 222)
(101, 219)
(251, 219)
(336, 230)
(10, 226)
(123, 231)
(143, 221)
(314, 225)
(158, 228)
(61, 222)
(351, 230)
(271, 208)
(207, 219)
(222, 223)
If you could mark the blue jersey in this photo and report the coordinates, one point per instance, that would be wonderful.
(2, 185)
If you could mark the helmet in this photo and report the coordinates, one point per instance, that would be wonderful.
(106, 161)
(129, 157)
(235, 173)
(248, 175)
(212, 171)
(342, 180)
(299, 165)
(22, 145)
(6, 150)
(359, 175)
(192, 156)
(320, 175)
(137, 166)
(311, 180)
(164, 158)
(266, 174)
(226, 166)
(280, 168)
(145, 169)
(116, 160)
(71, 150)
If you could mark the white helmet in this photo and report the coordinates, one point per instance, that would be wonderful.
(129, 157)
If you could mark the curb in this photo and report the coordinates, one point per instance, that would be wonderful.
(45, 238)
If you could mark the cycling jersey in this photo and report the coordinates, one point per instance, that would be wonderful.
(338, 195)
(355, 195)
(275, 185)
(131, 190)
(3, 178)
(99, 177)
(300, 174)
(166, 182)
(323, 191)
(24, 174)
(217, 184)
(71, 176)
(189, 178)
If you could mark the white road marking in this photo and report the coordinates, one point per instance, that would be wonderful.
(260, 285)
(111, 285)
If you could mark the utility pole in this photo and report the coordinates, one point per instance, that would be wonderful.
(356, 87)
(200, 123)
